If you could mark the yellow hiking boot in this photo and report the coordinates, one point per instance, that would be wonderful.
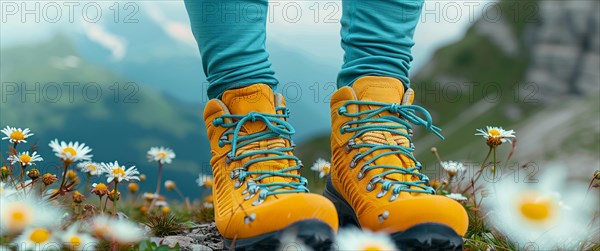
(259, 195)
(375, 181)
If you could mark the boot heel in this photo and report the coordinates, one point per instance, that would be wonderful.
(346, 215)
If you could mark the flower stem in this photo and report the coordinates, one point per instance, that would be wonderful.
(494, 164)
(115, 198)
(159, 177)
(473, 181)
(22, 175)
(64, 176)
(102, 207)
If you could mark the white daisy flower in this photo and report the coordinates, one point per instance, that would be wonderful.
(453, 167)
(535, 213)
(75, 240)
(150, 196)
(204, 180)
(71, 152)
(496, 135)
(161, 203)
(322, 166)
(170, 185)
(162, 154)
(6, 192)
(456, 196)
(25, 158)
(207, 205)
(120, 173)
(37, 238)
(355, 239)
(21, 212)
(119, 230)
(16, 135)
(89, 167)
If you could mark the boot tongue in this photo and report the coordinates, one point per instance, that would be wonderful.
(255, 98)
(379, 89)
(386, 90)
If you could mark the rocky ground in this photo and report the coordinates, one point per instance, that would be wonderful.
(199, 237)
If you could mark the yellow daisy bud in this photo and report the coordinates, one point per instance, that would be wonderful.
(133, 187)
(78, 197)
(142, 177)
(33, 174)
(165, 210)
(72, 176)
(48, 179)
(170, 185)
(100, 189)
(114, 195)
(4, 172)
(144, 209)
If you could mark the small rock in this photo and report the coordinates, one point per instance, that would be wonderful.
(184, 241)
(197, 237)
(199, 247)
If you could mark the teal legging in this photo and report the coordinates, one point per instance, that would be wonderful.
(377, 37)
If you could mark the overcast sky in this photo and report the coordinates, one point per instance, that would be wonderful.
(309, 26)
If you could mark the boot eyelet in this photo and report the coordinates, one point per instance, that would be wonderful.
(361, 175)
(249, 196)
(370, 187)
(250, 218)
(237, 184)
(382, 193)
(228, 158)
(349, 145)
(235, 173)
(258, 202)
(393, 197)
(383, 216)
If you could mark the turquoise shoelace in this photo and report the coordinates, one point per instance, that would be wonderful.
(277, 127)
(394, 125)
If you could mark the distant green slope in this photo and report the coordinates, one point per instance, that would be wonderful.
(473, 83)
(48, 88)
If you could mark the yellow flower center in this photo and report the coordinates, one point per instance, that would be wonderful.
(75, 241)
(537, 209)
(326, 169)
(92, 167)
(17, 135)
(39, 235)
(118, 172)
(101, 187)
(18, 216)
(494, 133)
(25, 158)
(372, 248)
(69, 151)
(162, 155)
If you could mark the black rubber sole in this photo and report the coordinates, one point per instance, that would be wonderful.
(426, 236)
(312, 233)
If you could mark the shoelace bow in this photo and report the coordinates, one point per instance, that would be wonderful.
(278, 132)
(393, 125)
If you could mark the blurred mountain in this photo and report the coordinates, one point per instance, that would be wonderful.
(533, 69)
(155, 58)
(51, 89)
